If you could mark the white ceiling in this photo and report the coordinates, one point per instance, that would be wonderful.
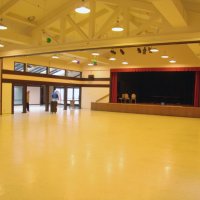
(31, 22)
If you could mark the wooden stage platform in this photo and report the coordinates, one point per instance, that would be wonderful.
(179, 111)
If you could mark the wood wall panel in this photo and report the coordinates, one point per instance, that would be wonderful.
(179, 111)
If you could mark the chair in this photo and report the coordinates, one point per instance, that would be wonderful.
(133, 98)
(121, 98)
(126, 98)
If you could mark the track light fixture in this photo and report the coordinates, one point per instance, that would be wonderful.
(113, 51)
(144, 51)
(122, 51)
(139, 50)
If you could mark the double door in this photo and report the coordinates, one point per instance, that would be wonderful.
(73, 94)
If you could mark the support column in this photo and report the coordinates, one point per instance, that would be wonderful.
(13, 98)
(1, 67)
(24, 98)
(47, 98)
(65, 98)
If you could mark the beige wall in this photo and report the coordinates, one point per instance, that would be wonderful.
(97, 71)
(6, 98)
(34, 96)
(90, 94)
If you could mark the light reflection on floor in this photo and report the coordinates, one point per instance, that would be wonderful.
(87, 155)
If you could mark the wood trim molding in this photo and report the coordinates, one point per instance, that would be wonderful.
(51, 76)
(157, 69)
(32, 83)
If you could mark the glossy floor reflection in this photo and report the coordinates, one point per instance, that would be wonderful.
(85, 155)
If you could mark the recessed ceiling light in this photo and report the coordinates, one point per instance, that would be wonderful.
(55, 57)
(95, 54)
(154, 50)
(3, 27)
(75, 61)
(164, 56)
(112, 59)
(172, 61)
(1, 45)
(90, 64)
(125, 63)
(82, 10)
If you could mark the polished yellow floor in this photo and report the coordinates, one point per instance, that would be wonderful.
(85, 155)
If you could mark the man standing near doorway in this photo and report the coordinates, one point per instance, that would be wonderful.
(54, 101)
(27, 100)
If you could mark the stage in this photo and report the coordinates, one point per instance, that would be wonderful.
(165, 110)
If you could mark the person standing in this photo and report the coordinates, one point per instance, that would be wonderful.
(27, 100)
(54, 101)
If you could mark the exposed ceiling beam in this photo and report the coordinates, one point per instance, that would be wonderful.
(62, 29)
(173, 11)
(146, 25)
(82, 23)
(108, 24)
(76, 27)
(56, 14)
(127, 21)
(7, 6)
(195, 48)
(130, 3)
(107, 43)
(16, 38)
(20, 19)
(134, 22)
(92, 19)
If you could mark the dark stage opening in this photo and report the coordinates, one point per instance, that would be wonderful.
(172, 88)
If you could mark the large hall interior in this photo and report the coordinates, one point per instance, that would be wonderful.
(127, 79)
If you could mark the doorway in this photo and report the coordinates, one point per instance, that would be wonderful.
(36, 98)
(73, 94)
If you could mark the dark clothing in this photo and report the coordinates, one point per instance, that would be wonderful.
(27, 106)
(54, 106)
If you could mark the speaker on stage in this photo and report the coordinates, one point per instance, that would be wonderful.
(91, 77)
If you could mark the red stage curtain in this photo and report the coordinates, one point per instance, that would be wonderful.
(158, 69)
(113, 87)
(197, 89)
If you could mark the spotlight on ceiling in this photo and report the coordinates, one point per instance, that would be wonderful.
(122, 51)
(1, 45)
(90, 64)
(82, 9)
(139, 50)
(113, 52)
